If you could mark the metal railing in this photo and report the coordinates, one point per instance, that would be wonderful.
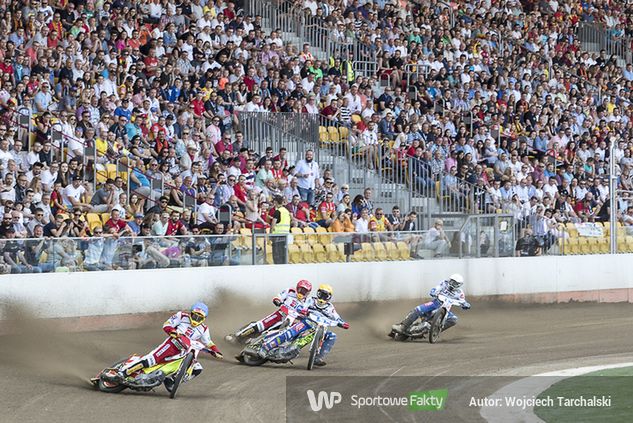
(365, 160)
(297, 25)
(43, 255)
(479, 236)
(597, 36)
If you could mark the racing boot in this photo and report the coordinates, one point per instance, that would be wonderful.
(319, 362)
(408, 321)
(241, 335)
(449, 324)
(128, 371)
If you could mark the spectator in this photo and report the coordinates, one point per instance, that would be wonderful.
(436, 239)
(308, 174)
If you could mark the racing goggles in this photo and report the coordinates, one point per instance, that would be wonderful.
(302, 292)
(323, 296)
(196, 318)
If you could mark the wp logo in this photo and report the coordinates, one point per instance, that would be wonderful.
(329, 399)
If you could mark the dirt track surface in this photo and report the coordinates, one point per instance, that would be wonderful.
(44, 377)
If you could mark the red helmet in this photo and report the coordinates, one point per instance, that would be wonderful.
(303, 289)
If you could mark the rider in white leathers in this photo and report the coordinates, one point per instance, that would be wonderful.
(450, 288)
(291, 298)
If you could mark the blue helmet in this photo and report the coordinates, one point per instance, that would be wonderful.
(199, 312)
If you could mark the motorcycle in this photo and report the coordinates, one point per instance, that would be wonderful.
(431, 325)
(171, 373)
(288, 351)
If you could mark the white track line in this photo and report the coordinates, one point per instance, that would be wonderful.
(531, 387)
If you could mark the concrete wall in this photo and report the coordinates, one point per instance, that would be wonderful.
(537, 279)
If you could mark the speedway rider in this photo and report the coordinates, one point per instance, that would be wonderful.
(450, 288)
(317, 304)
(291, 298)
(182, 327)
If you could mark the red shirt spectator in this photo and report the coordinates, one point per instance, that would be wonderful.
(175, 225)
(116, 223)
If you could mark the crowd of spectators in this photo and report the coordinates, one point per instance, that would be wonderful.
(494, 99)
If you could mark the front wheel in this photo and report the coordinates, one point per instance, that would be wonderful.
(436, 325)
(111, 388)
(315, 346)
(251, 360)
(180, 374)
(400, 337)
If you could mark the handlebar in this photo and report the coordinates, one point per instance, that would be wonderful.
(321, 319)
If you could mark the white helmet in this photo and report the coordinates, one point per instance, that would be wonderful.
(455, 281)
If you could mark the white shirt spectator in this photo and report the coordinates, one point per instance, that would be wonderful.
(550, 189)
(71, 192)
(252, 107)
(206, 210)
(311, 170)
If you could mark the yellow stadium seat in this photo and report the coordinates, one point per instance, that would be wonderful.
(380, 251)
(306, 253)
(110, 169)
(93, 220)
(333, 133)
(105, 217)
(101, 177)
(586, 244)
(571, 230)
(333, 253)
(359, 255)
(405, 252)
(572, 246)
(392, 251)
(324, 237)
(343, 133)
(319, 253)
(604, 245)
(310, 235)
(324, 137)
(294, 254)
(298, 236)
(368, 249)
(621, 245)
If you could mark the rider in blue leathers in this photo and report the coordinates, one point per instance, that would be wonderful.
(317, 304)
(450, 288)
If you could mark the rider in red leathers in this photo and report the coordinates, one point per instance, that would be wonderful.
(291, 298)
(182, 328)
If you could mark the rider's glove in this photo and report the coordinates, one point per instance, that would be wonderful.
(433, 293)
(174, 334)
(466, 305)
(303, 311)
(343, 325)
(215, 352)
(277, 302)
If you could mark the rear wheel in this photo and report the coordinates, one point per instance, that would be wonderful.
(436, 325)
(180, 374)
(315, 346)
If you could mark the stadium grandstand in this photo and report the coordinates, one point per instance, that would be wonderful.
(165, 133)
